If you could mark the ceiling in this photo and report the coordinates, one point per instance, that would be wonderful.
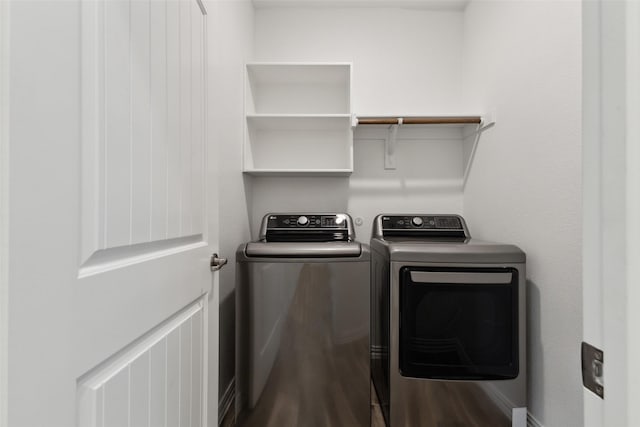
(413, 4)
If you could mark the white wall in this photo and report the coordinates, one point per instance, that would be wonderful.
(405, 61)
(231, 38)
(524, 59)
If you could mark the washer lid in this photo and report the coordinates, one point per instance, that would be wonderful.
(303, 249)
(473, 251)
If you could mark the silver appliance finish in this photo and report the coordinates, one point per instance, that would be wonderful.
(302, 313)
(407, 401)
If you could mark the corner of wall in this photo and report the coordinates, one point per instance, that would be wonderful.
(231, 37)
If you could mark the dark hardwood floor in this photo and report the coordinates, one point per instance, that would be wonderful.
(318, 382)
(377, 420)
(483, 416)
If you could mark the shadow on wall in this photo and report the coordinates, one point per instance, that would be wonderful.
(297, 194)
(247, 181)
(424, 156)
(406, 187)
(535, 353)
(226, 315)
(227, 347)
(427, 178)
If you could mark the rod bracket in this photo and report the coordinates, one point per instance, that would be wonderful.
(390, 146)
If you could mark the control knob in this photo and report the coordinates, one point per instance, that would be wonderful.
(303, 220)
(417, 221)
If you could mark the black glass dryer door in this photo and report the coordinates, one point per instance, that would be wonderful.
(459, 324)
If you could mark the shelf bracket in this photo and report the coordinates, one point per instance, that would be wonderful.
(469, 153)
(390, 146)
(488, 121)
(354, 121)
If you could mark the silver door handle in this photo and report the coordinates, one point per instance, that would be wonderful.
(217, 263)
(427, 277)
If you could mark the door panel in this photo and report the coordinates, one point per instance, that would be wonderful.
(137, 268)
(129, 127)
(133, 385)
(110, 224)
(141, 115)
(159, 46)
(197, 88)
(114, 159)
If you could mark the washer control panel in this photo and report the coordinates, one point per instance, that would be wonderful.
(292, 221)
(312, 227)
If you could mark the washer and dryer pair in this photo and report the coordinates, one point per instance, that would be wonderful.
(434, 319)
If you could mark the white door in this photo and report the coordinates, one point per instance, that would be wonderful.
(111, 214)
(611, 163)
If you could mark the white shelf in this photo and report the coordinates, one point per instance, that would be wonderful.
(298, 119)
(294, 88)
(311, 88)
(298, 144)
(299, 72)
(299, 172)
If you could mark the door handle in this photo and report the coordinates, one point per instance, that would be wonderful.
(217, 263)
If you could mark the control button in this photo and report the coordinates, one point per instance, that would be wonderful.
(303, 220)
(417, 221)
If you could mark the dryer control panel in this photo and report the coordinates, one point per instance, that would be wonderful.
(420, 225)
(403, 222)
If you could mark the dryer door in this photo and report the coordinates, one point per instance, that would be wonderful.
(459, 323)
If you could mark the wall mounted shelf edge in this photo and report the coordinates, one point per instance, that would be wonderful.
(299, 172)
(478, 123)
(418, 120)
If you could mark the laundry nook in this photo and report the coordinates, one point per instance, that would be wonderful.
(319, 213)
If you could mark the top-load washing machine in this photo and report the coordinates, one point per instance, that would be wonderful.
(302, 323)
(448, 324)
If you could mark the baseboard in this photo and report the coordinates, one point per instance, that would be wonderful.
(504, 404)
(226, 401)
(532, 421)
(500, 400)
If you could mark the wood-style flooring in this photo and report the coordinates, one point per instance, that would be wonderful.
(490, 417)
(377, 419)
(318, 382)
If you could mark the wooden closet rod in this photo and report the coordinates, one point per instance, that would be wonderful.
(420, 120)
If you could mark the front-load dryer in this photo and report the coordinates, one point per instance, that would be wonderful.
(448, 324)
